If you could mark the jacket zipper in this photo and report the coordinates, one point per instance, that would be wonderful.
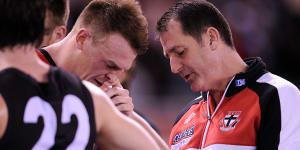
(209, 117)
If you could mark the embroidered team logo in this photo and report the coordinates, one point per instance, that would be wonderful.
(230, 120)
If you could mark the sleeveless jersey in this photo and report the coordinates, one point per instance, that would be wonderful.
(58, 114)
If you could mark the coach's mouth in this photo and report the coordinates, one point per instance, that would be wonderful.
(188, 78)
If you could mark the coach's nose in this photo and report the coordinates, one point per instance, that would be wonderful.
(175, 65)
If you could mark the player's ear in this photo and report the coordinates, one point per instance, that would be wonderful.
(213, 36)
(81, 37)
(59, 33)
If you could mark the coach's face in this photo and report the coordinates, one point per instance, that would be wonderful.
(192, 59)
(108, 58)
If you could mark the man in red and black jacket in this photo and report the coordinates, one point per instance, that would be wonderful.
(242, 105)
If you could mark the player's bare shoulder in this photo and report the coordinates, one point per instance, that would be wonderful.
(94, 90)
(102, 104)
(3, 116)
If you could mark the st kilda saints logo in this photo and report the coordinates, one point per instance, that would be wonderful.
(230, 120)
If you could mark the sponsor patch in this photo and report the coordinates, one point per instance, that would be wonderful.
(180, 144)
(230, 120)
(183, 134)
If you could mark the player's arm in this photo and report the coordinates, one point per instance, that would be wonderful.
(123, 102)
(116, 131)
(162, 144)
(3, 116)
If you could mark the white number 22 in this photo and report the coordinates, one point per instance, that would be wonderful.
(71, 105)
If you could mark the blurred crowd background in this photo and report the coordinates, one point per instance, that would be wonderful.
(265, 28)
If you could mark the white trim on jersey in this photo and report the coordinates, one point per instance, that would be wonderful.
(226, 147)
(289, 96)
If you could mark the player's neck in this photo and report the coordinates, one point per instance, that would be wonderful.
(231, 64)
(24, 58)
(59, 51)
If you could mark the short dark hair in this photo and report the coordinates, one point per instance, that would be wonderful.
(117, 16)
(22, 22)
(195, 16)
(58, 13)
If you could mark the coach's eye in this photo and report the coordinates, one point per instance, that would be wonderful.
(180, 53)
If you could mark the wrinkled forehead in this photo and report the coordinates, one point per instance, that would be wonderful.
(172, 36)
(164, 43)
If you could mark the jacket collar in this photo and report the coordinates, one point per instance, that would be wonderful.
(256, 68)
